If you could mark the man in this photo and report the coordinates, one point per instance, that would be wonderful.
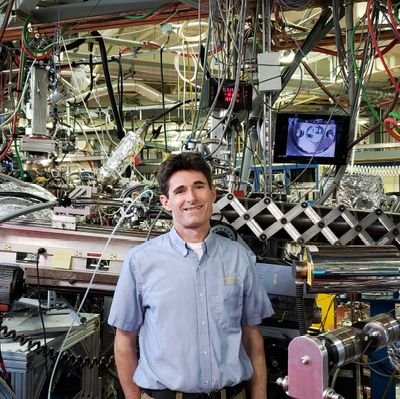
(194, 300)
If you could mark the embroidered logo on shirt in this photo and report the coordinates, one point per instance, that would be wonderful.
(230, 280)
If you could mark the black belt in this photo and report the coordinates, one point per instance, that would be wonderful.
(230, 393)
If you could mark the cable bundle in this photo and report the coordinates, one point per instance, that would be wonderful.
(295, 4)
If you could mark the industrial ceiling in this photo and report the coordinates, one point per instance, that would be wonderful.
(154, 50)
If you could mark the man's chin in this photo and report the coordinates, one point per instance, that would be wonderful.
(194, 224)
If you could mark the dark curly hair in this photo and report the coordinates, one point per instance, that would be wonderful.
(182, 161)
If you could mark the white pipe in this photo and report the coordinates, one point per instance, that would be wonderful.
(141, 88)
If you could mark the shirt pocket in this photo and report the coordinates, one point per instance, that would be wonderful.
(228, 306)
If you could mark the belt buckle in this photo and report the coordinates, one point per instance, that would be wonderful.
(214, 395)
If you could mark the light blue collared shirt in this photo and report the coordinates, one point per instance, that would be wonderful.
(189, 312)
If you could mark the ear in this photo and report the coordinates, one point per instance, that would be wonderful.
(164, 202)
(214, 193)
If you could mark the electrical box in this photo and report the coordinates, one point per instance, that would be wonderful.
(243, 100)
(269, 72)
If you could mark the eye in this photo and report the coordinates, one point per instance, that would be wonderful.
(179, 191)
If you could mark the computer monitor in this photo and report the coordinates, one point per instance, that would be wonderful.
(311, 138)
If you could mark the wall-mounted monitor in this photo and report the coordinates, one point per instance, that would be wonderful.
(311, 138)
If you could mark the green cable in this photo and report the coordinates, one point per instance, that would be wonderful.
(145, 15)
(20, 163)
(25, 37)
(395, 115)
(357, 70)
(23, 60)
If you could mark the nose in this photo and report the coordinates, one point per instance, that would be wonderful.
(191, 195)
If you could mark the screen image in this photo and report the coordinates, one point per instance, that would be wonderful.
(313, 137)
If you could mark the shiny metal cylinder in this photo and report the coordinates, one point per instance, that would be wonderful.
(344, 345)
(383, 330)
(357, 269)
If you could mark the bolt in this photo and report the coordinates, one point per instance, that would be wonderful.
(305, 359)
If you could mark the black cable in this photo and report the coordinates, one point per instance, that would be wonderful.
(169, 110)
(337, 14)
(76, 361)
(163, 97)
(21, 194)
(41, 251)
(319, 30)
(75, 44)
(120, 89)
(3, 369)
(103, 54)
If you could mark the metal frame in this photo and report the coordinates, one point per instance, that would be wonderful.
(321, 224)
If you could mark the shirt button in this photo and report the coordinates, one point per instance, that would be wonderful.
(201, 294)
(206, 381)
(205, 353)
(203, 323)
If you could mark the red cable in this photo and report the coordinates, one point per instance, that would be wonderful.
(391, 17)
(376, 45)
(393, 131)
(15, 117)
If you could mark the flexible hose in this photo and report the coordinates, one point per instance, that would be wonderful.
(103, 54)
(27, 210)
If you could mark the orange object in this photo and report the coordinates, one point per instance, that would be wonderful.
(392, 127)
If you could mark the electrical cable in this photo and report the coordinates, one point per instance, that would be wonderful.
(120, 90)
(36, 345)
(21, 194)
(323, 87)
(341, 53)
(146, 14)
(14, 116)
(4, 375)
(319, 30)
(387, 387)
(123, 213)
(41, 251)
(103, 53)
(34, 53)
(28, 210)
(6, 18)
(239, 47)
(6, 390)
(90, 117)
(377, 125)
(163, 96)
(153, 224)
(376, 45)
(359, 73)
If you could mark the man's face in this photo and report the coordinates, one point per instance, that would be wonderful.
(190, 199)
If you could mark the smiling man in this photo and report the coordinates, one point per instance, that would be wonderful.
(193, 299)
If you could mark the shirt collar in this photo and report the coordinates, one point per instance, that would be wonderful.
(181, 246)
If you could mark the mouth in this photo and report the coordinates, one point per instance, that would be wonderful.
(193, 208)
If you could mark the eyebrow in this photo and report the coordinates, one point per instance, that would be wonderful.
(195, 183)
(176, 189)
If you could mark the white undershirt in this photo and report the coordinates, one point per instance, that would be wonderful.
(196, 247)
